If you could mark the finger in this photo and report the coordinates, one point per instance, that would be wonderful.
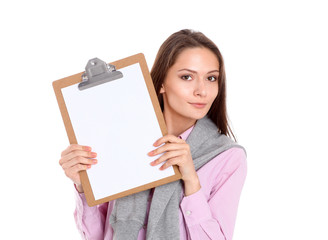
(166, 156)
(79, 160)
(166, 147)
(171, 162)
(72, 172)
(77, 153)
(168, 138)
(74, 147)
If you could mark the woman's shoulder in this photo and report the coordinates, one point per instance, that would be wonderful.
(225, 163)
(231, 157)
(213, 174)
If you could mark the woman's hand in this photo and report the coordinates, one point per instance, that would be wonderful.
(74, 159)
(177, 152)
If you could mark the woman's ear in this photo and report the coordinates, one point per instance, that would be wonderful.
(162, 89)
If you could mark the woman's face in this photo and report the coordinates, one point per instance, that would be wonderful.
(191, 85)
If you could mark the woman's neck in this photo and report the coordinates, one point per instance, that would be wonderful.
(177, 124)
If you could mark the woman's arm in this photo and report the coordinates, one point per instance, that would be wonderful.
(211, 213)
(213, 216)
(91, 221)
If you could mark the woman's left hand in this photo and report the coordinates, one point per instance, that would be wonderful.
(177, 152)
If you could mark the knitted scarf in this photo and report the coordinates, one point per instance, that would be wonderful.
(129, 213)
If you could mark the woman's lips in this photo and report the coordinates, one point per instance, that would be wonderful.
(198, 105)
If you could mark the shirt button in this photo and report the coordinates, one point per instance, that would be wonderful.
(188, 213)
(144, 226)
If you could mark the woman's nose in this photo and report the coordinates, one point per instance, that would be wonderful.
(200, 88)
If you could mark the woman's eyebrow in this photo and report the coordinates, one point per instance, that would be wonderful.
(186, 69)
(193, 71)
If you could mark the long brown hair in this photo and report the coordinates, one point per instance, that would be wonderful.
(166, 57)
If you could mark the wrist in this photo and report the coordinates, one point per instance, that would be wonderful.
(191, 185)
(78, 187)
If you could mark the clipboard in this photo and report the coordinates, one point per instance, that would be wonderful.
(114, 109)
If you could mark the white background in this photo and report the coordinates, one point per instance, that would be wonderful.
(276, 62)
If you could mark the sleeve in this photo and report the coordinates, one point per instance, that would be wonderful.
(90, 221)
(214, 217)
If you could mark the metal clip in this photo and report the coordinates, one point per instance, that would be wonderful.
(98, 72)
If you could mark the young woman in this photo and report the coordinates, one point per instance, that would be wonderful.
(189, 79)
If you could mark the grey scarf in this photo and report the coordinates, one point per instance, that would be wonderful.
(129, 213)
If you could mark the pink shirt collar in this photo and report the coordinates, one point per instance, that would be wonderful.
(186, 133)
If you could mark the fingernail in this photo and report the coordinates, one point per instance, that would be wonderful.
(94, 161)
(155, 143)
(93, 154)
(151, 153)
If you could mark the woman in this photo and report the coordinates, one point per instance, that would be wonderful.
(189, 79)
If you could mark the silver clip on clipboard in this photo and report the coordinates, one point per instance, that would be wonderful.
(98, 72)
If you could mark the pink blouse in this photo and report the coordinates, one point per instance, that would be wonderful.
(209, 213)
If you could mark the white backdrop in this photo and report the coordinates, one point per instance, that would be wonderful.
(276, 62)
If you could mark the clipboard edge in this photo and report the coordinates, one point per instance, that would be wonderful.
(76, 78)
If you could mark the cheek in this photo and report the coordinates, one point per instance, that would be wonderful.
(178, 92)
(213, 92)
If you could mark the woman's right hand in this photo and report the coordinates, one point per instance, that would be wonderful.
(74, 159)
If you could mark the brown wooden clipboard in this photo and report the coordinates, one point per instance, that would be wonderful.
(75, 79)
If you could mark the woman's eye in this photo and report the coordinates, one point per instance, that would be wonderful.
(212, 78)
(186, 77)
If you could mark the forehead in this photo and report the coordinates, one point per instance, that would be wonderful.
(197, 57)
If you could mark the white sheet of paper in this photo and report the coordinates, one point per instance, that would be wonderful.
(118, 121)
